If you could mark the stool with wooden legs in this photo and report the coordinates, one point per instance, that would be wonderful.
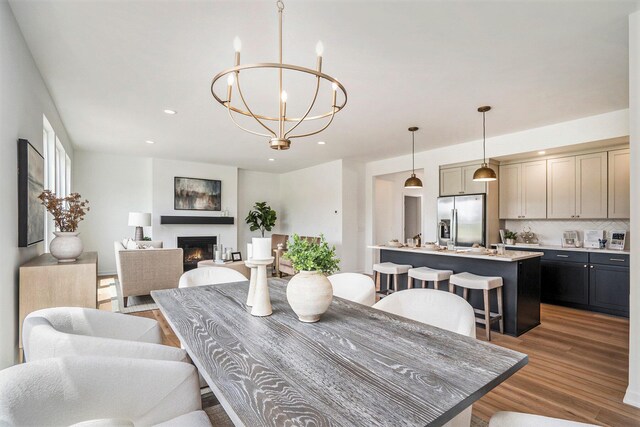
(472, 281)
(426, 274)
(390, 269)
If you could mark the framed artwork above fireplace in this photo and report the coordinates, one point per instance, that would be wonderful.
(196, 194)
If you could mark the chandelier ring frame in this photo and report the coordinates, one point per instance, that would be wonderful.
(237, 69)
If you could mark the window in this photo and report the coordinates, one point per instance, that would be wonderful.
(57, 172)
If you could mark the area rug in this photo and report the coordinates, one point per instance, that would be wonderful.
(135, 304)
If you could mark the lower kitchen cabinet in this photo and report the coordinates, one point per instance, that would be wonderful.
(596, 286)
(609, 288)
(565, 282)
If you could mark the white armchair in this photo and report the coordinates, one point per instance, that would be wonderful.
(100, 391)
(437, 308)
(210, 276)
(75, 331)
(355, 287)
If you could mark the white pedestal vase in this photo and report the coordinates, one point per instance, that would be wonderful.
(309, 294)
(66, 246)
(252, 282)
(261, 299)
(261, 248)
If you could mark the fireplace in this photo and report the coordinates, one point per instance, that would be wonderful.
(196, 249)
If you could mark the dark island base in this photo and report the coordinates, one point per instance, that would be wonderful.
(521, 284)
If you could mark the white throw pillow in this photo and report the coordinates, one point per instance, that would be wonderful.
(131, 244)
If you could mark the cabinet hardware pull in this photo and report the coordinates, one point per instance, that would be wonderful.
(591, 266)
(573, 216)
(617, 259)
(585, 266)
(563, 256)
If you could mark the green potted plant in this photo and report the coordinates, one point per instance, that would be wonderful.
(309, 292)
(262, 218)
(510, 237)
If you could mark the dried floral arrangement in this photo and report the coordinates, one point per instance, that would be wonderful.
(67, 211)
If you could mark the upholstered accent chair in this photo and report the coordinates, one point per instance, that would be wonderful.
(203, 276)
(101, 391)
(141, 271)
(277, 239)
(283, 265)
(76, 331)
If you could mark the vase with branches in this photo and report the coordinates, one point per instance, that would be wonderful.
(67, 213)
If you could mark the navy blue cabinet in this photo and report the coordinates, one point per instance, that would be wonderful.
(591, 281)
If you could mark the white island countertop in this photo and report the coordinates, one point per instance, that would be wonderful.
(560, 248)
(509, 256)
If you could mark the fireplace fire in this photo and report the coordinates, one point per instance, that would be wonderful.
(196, 249)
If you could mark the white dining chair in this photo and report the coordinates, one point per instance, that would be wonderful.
(76, 331)
(355, 287)
(441, 309)
(513, 419)
(101, 391)
(210, 276)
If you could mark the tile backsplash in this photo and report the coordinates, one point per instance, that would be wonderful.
(549, 231)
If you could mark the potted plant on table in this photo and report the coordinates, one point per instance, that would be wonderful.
(67, 213)
(262, 218)
(309, 292)
(510, 237)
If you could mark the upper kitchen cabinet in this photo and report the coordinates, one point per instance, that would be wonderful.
(523, 190)
(577, 186)
(458, 180)
(591, 186)
(619, 192)
(561, 188)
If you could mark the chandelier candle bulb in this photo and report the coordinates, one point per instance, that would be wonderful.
(237, 44)
(319, 48)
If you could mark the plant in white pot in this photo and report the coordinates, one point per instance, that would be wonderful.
(262, 218)
(67, 213)
(309, 292)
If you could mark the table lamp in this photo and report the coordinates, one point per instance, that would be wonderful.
(139, 220)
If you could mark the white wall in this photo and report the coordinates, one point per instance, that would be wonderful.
(24, 100)
(163, 173)
(256, 187)
(595, 128)
(632, 396)
(353, 229)
(114, 185)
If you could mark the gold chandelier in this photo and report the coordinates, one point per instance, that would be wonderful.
(279, 139)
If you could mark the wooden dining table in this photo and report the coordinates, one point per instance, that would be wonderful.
(357, 366)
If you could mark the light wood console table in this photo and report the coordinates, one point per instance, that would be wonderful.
(45, 283)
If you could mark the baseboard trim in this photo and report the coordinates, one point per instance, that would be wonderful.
(632, 397)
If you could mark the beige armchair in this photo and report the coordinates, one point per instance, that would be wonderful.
(277, 239)
(141, 271)
(283, 265)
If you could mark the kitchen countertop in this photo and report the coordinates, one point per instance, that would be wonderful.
(509, 256)
(560, 248)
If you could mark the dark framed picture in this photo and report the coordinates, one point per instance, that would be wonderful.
(195, 194)
(236, 256)
(30, 186)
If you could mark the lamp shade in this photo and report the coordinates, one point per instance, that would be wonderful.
(139, 219)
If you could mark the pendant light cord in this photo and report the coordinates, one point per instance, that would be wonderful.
(484, 139)
(413, 152)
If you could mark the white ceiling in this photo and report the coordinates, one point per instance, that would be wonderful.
(113, 66)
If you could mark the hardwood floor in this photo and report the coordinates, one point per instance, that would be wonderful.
(578, 366)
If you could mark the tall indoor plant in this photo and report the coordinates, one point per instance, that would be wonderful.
(309, 292)
(262, 218)
(67, 213)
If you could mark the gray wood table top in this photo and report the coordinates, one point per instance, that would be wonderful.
(358, 366)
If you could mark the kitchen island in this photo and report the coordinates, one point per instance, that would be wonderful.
(520, 272)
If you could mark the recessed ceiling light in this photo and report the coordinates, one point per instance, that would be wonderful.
(150, 142)
(321, 143)
(172, 112)
(541, 152)
(272, 160)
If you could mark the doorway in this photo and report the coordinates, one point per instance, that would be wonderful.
(412, 216)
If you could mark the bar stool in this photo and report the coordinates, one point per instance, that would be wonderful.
(472, 281)
(390, 269)
(427, 274)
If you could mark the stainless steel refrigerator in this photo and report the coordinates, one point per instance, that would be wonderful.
(462, 219)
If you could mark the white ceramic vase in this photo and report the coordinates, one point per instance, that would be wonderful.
(309, 294)
(66, 246)
(510, 241)
(261, 248)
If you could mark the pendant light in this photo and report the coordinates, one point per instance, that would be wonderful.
(485, 173)
(413, 181)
